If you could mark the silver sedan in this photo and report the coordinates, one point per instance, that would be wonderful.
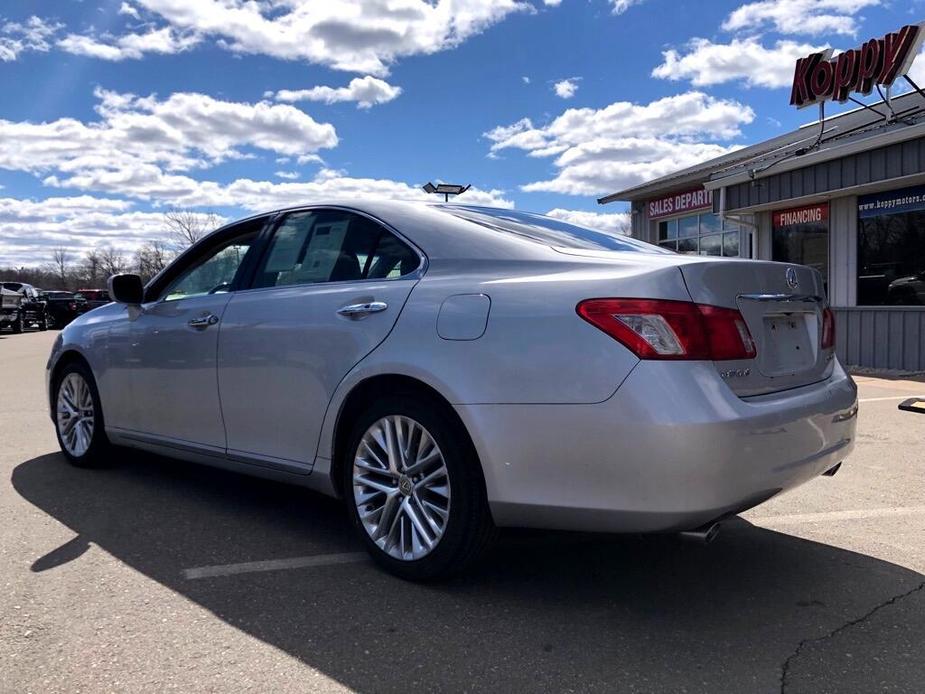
(448, 370)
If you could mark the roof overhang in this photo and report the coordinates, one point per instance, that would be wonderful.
(884, 139)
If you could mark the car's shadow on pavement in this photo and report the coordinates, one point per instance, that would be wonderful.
(556, 612)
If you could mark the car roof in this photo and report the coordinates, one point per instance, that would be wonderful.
(435, 231)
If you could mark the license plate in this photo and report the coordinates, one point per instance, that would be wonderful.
(782, 327)
(788, 342)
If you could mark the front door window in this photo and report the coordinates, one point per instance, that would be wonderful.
(213, 274)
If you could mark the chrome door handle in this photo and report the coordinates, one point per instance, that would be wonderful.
(362, 310)
(203, 322)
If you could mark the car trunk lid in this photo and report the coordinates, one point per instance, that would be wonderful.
(782, 305)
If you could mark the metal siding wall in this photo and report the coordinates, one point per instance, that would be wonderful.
(873, 166)
(639, 224)
(885, 337)
(843, 251)
(763, 236)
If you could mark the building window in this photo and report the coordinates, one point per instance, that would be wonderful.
(891, 248)
(700, 234)
(801, 235)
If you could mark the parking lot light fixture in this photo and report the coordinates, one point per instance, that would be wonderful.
(445, 189)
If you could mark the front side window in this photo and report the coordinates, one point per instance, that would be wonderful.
(212, 274)
(318, 246)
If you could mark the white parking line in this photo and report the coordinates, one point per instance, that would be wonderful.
(828, 516)
(891, 397)
(319, 560)
(275, 565)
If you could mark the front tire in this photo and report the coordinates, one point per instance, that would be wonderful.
(79, 417)
(17, 324)
(414, 489)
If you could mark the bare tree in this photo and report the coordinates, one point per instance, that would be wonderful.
(112, 261)
(61, 259)
(185, 227)
(92, 269)
(151, 258)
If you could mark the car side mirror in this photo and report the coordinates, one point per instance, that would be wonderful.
(127, 289)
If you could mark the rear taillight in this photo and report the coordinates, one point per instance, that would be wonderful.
(828, 329)
(661, 329)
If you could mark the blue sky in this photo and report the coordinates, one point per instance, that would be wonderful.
(116, 110)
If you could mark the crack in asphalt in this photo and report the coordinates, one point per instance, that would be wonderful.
(785, 668)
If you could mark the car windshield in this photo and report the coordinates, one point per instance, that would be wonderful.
(548, 231)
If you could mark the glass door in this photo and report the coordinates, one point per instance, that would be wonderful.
(801, 236)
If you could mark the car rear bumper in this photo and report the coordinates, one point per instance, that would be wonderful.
(672, 449)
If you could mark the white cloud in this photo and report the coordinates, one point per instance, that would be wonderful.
(364, 36)
(552, 3)
(600, 150)
(30, 229)
(151, 183)
(813, 17)
(287, 175)
(129, 46)
(612, 223)
(26, 210)
(917, 72)
(565, 89)
(621, 6)
(366, 91)
(185, 130)
(605, 165)
(707, 63)
(34, 34)
(129, 11)
(526, 80)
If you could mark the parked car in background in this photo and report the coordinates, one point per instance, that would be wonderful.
(62, 307)
(32, 307)
(94, 297)
(448, 369)
(10, 315)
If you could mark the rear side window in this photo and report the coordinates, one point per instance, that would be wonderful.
(319, 246)
(548, 231)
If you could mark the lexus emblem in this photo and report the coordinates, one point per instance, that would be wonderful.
(792, 280)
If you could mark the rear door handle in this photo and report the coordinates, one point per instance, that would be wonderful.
(203, 322)
(362, 310)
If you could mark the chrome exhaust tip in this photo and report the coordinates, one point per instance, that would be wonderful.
(703, 535)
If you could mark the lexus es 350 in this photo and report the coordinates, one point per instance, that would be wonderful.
(448, 370)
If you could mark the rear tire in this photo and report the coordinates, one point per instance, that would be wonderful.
(79, 417)
(437, 521)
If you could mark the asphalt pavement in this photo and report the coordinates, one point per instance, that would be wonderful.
(155, 575)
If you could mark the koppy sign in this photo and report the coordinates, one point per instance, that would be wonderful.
(819, 77)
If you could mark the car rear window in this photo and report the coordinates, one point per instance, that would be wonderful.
(548, 231)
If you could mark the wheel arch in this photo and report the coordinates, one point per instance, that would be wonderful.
(67, 357)
(366, 391)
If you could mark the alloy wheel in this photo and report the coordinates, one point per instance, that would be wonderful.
(75, 414)
(401, 487)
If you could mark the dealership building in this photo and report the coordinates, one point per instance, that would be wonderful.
(844, 195)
